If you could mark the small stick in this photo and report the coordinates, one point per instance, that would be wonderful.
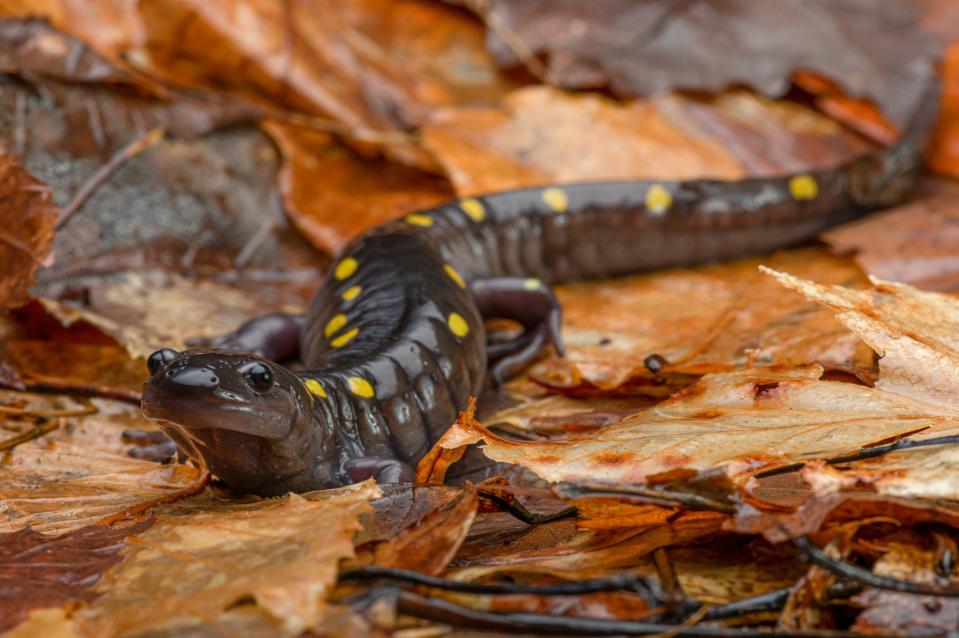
(855, 573)
(48, 414)
(518, 511)
(439, 610)
(192, 489)
(29, 435)
(104, 173)
(624, 582)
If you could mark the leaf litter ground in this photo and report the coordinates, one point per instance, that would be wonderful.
(766, 430)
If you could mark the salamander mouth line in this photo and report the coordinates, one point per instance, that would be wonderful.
(158, 404)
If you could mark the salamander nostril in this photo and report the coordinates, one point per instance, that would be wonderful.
(195, 377)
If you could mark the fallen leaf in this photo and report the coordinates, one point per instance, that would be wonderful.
(915, 334)
(40, 571)
(536, 137)
(737, 423)
(885, 611)
(197, 561)
(736, 320)
(371, 65)
(915, 243)
(31, 47)
(144, 312)
(80, 473)
(430, 544)
(27, 216)
(647, 48)
(942, 154)
(354, 195)
(403, 506)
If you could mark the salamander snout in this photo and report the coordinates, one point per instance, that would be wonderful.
(193, 376)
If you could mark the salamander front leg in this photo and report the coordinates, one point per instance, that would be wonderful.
(382, 469)
(275, 336)
(531, 304)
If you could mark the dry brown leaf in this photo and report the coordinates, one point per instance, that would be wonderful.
(738, 422)
(650, 47)
(27, 216)
(536, 137)
(916, 243)
(885, 611)
(429, 545)
(736, 320)
(354, 193)
(200, 559)
(144, 313)
(915, 334)
(39, 571)
(80, 473)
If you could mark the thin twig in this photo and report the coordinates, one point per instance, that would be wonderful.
(120, 394)
(269, 225)
(652, 496)
(439, 610)
(104, 173)
(48, 414)
(29, 435)
(193, 488)
(852, 572)
(518, 511)
(867, 453)
(632, 583)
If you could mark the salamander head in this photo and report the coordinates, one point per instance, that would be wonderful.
(250, 420)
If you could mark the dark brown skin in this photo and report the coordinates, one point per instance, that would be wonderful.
(393, 343)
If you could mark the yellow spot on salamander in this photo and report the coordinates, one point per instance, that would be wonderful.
(658, 199)
(532, 284)
(418, 219)
(455, 276)
(474, 208)
(345, 268)
(344, 338)
(352, 293)
(315, 388)
(361, 387)
(556, 199)
(335, 323)
(458, 325)
(803, 187)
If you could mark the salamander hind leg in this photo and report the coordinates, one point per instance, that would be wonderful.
(528, 302)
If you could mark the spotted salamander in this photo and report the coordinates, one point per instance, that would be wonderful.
(393, 344)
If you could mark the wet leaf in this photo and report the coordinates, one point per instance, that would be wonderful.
(355, 193)
(885, 611)
(915, 243)
(646, 48)
(536, 137)
(736, 320)
(39, 571)
(144, 313)
(80, 473)
(27, 216)
(915, 334)
(198, 561)
(737, 423)
(430, 544)
(943, 152)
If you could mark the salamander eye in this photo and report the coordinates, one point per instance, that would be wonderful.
(159, 359)
(259, 377)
